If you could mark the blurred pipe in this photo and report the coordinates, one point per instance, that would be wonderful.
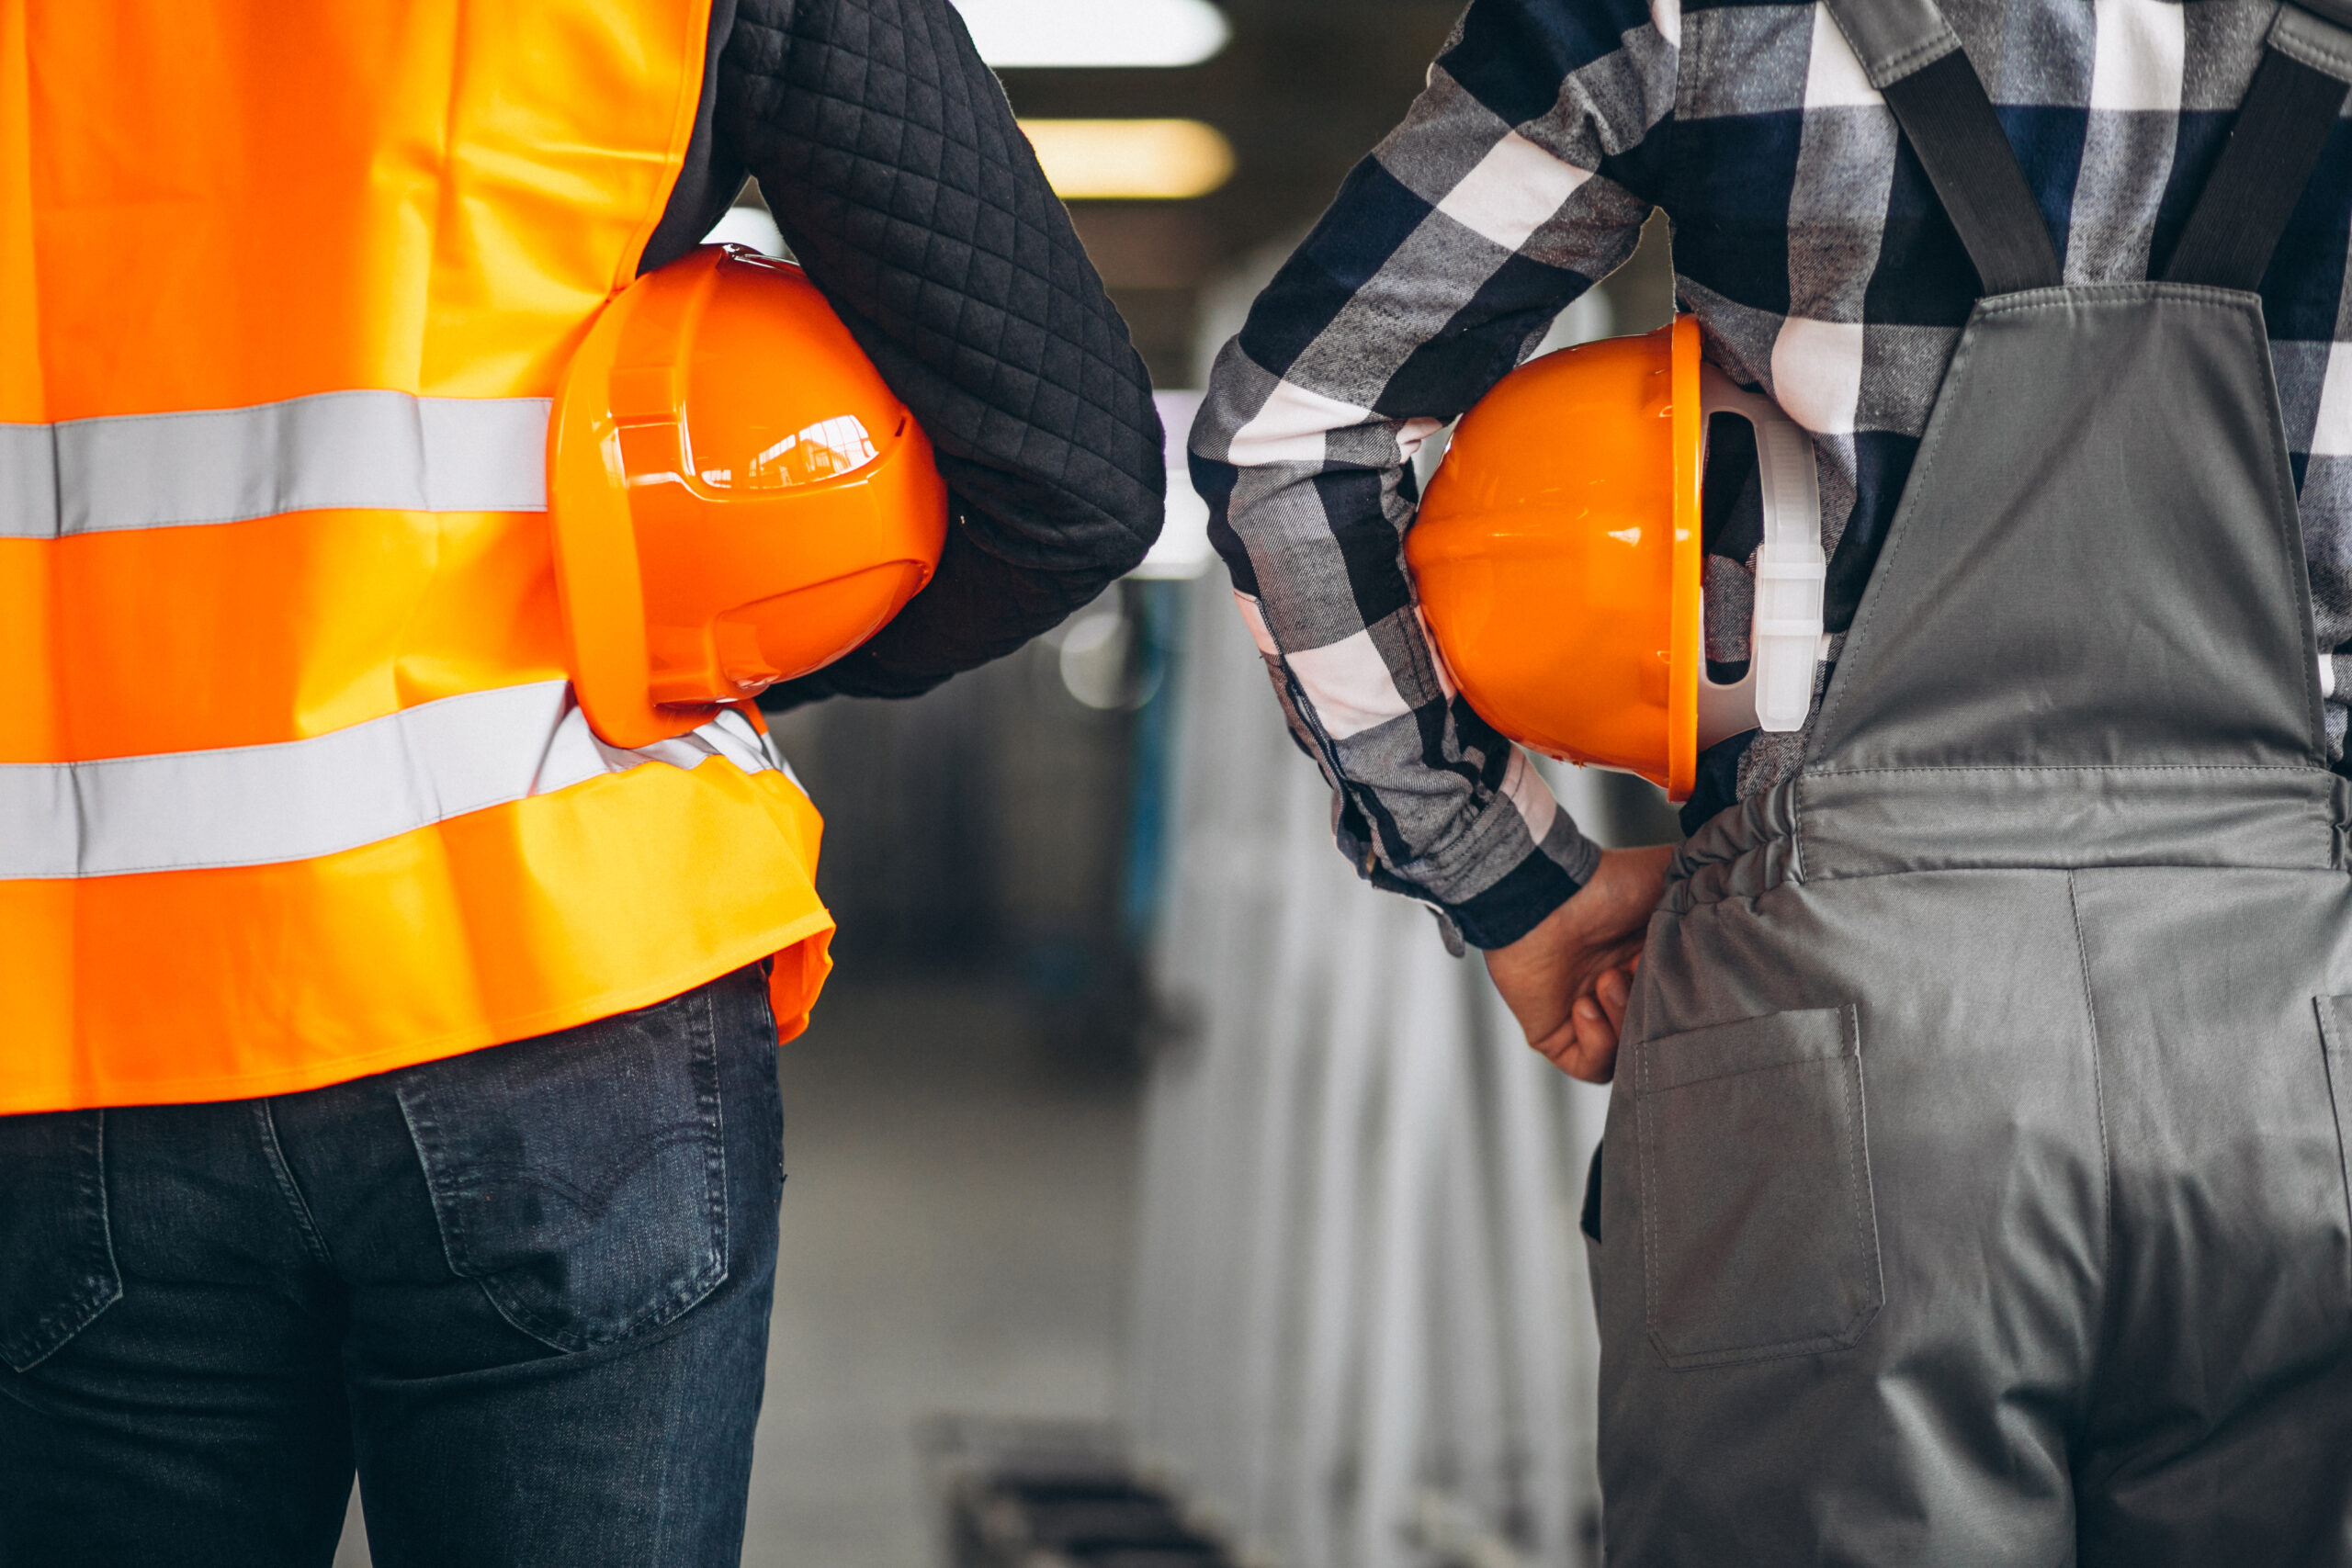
(1158, 653)
(1292, 1038)
(1419, 1104)
(1538, 1262)
(1357, 1289)
(1334, 1287)
(1469, 1424)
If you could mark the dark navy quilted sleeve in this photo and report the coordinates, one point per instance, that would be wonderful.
(891, 158)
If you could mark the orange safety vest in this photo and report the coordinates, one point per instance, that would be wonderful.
(293, 788)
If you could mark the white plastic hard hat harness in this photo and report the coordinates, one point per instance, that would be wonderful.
(1784, 642)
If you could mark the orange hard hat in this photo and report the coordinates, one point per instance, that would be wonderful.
(1557, 558)
(737, 497)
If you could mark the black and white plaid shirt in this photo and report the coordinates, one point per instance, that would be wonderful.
(1808, 243)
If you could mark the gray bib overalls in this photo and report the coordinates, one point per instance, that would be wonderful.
(1976, 1188)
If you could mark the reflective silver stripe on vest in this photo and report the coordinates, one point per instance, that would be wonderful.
(300, 799)
(371, 450)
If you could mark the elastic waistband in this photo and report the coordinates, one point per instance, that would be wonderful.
(1828, 827)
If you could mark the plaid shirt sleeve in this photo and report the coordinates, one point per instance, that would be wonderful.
(1519, 179)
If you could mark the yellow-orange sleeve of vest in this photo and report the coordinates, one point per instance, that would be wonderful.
(498, 925)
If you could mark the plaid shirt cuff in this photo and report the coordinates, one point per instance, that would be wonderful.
(1523, 897)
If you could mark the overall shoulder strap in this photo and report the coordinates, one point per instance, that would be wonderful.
(1914, 59)
(2289, 112)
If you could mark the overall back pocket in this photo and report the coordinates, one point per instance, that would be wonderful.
(1759, 1236)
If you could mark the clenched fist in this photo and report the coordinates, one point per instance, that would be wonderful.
(1567, 980)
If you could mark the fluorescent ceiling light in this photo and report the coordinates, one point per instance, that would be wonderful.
(1131, 160)
(1050, 33)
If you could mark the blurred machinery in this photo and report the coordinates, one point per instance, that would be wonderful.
(1056, 1494)
(1362, 1332)
(985, 828)
(1360, 1329)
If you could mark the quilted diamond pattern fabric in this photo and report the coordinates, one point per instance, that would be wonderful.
(891, 158)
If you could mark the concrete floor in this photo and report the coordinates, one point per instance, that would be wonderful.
(955, 1239)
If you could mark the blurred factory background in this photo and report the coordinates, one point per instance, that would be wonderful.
(1127, 1105)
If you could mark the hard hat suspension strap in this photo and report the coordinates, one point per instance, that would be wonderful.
(2289, 110)
(1784, 635)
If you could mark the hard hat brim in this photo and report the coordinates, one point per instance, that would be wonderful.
(1686, 609)
(594, 536)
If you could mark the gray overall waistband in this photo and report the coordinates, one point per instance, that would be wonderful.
(1825, 827)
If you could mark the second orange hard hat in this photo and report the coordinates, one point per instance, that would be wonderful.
(1557, 558)
(737, 497)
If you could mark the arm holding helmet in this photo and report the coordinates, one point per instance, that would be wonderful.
(1566, 981)
(1519, 179)
(892, 163)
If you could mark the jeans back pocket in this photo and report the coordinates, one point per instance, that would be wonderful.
(580, 1178)
(57, 1267)
(1759, 1232)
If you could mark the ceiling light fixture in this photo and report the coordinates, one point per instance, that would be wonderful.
(1079, 33)
(1131, 160)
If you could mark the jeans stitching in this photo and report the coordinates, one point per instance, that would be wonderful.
(282, 1176)
(706, 1274)
(89, 1298)
(718, 1228)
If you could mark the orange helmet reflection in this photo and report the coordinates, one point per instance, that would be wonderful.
(737, 497)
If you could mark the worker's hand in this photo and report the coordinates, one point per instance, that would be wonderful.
(1567, 980)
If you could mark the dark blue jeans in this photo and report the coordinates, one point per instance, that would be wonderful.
(525, 1292)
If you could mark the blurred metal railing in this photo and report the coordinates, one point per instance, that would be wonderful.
(1363, 1332)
